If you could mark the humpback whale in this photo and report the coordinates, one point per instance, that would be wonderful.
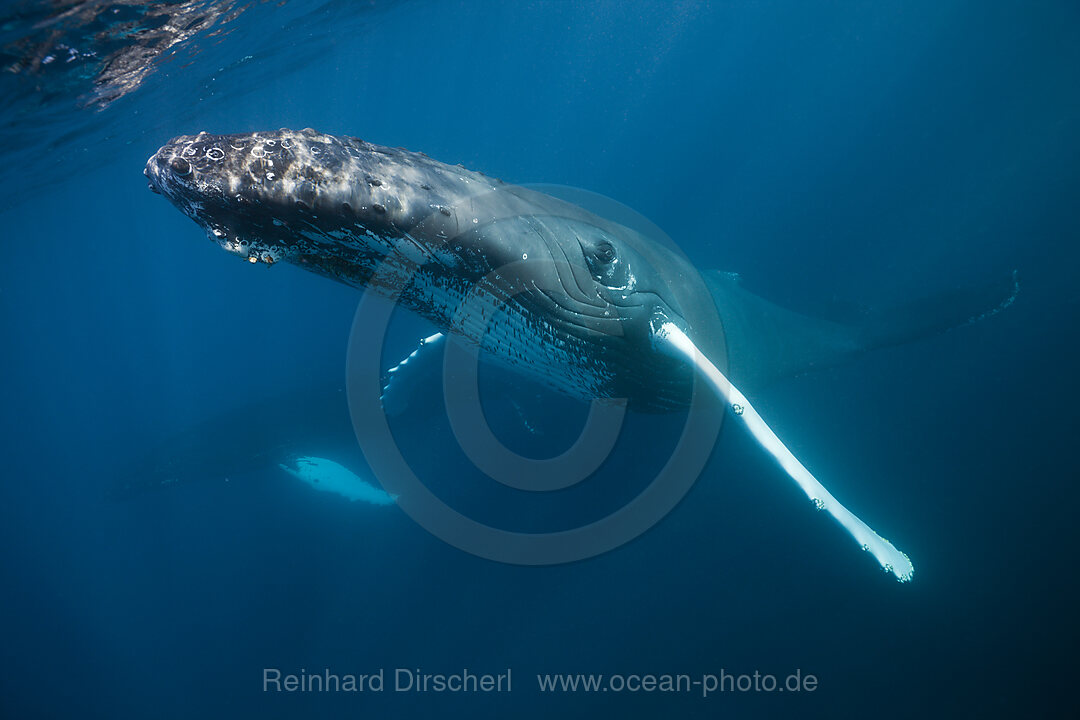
(582, 304)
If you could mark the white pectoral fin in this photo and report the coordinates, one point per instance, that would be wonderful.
(892, 560)
(395, 394)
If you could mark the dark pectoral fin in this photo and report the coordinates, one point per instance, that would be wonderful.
(766, 342)
(938, 313)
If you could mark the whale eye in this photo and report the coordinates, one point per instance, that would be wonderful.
(605, 252)
(605, 262)
(180, 166)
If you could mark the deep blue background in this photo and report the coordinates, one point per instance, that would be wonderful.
(827, 151)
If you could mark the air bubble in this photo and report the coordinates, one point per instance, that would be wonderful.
(524, 256)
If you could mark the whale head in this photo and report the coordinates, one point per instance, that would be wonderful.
(438, 237)
(255, 194)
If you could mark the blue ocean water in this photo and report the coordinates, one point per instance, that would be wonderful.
(831, 153)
